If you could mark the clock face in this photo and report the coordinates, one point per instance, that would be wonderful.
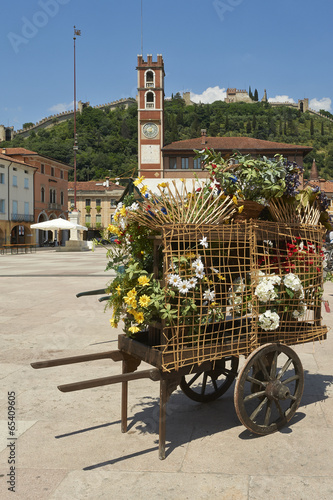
(150, 130)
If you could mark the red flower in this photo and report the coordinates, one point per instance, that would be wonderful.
(117, 242)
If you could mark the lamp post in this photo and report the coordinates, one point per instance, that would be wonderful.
(75, 147)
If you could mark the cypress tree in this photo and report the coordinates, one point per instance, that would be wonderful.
(311, 127)
(256, 98)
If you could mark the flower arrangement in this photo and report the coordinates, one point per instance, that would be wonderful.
(247, 178)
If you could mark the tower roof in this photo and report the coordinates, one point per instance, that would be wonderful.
(314, 171)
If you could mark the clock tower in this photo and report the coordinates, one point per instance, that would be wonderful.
(150, 116)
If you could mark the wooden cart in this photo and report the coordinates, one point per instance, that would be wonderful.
(270, 384)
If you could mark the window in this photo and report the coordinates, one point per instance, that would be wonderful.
(61, 197)
(98, 202)
(42, 168)
(88, 202)
(42, 195)
(15, 180)
(2, 206)
(61, 174)
(98, 219)
(172, 163)
(113, 202)
(26, 183)
(197, 163)
(88, 219)
(51, 196)
(150, 100)
(2, 178)
(150, 77)
(52, 171)
(26, 208)
(72, 202)
(14, 206)
(184, 163)
(111, 219)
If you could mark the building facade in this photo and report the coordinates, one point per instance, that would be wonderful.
(96, 202)
(16, 201)
(50, 186)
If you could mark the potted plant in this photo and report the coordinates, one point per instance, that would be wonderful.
(253, 181)
(98, 208)
(88, 209)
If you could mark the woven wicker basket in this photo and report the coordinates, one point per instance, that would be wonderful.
(251, 210)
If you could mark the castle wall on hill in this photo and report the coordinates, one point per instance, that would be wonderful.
(49, 121)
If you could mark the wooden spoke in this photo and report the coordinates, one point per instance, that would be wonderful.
(209, 385)
(264, 402)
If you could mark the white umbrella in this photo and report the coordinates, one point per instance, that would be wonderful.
(53, 224)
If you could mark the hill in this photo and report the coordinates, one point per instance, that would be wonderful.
(107, 140)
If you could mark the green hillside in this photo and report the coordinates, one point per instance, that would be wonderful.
(107, 140)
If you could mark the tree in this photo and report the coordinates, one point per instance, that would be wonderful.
(27, 125)
(311, 127)
(255, 97)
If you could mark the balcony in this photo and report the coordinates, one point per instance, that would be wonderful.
(22, 218)
(54, 206)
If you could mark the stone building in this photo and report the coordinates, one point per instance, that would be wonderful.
(96, 201)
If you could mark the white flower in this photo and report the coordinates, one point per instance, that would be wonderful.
(209, 295)
(268, 243)
(192, 282)
(134, 206)
(265, 291)
(214, 270)
(119, 206)
(198, 265)
(299, 312)
(183, 286)
(200, 274)
(174, 279)
(293, 282)
(122, 223)
(269, 320)
(204, 242)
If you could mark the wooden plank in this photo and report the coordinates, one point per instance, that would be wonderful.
(114, 355)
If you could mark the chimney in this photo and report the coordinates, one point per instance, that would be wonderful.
(4, 151)
(107, 182)
(203, 136)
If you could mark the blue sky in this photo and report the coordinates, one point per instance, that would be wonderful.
(283, 46)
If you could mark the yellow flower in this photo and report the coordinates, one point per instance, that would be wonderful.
(118, 289)
(163, 184)
(234, 199)
(143, 189)
(133, 329)
(182, 179)
(116, 216)
(114, 229)
(240, 210)
(139, 180)
(131, 311)
(113, 323)
(142, 252)
(143, 280)
(131, 301)
(221, 277)
(132, 293)
(123, 211)
(144, 300)
(139, 317)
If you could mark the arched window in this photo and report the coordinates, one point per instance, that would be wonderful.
(150, 100)
(51, 196)
(150, 78)
(42, 195)
(62, 198)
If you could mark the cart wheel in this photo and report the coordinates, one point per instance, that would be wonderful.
(205, 386)
(269, 388)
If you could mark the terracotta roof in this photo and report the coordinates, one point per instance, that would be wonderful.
(326, 186)
(234, 143)
(19, 151)
(94, 186)
(20, 162)
(27, 152)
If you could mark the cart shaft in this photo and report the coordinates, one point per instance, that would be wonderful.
(114, 355)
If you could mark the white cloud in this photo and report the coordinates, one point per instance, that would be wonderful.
(209, 95)
(61, 107)
(281, 98)
(317, 104)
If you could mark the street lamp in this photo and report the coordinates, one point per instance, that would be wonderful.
(75, 147)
